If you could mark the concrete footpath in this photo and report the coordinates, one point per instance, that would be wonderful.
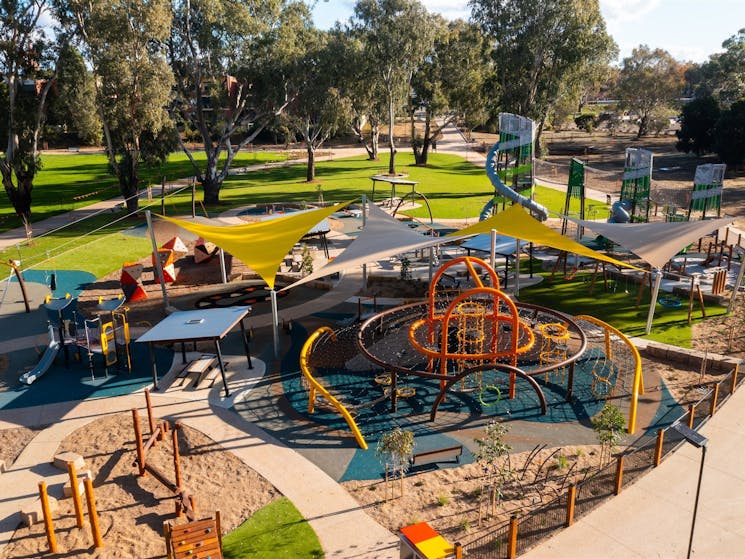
(653, 517)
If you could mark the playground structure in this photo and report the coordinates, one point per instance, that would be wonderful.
(510, 161)
(472, 340)
(184, 502)
(393, 199)
(634, 203)
(201, 539)
(98, 336)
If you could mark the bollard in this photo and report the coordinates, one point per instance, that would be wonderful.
(48, 523)
(734, 378)
(512, 546)
(92, 514)
(79, 519)
(571, 500)
(658, 447)
(619, 474)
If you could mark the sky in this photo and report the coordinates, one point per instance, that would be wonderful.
(690, 30)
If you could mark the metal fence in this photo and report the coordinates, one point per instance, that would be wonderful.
(509, 540)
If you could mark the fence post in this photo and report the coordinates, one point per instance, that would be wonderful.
(571, 500)
(658, 447)
(619, 474)
(691, 415)
(458, 550)
(734, 378)
(138, 441)
(512, 547)
(714, 400)
(48, 522)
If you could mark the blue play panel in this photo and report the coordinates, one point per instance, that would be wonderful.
(63, 384)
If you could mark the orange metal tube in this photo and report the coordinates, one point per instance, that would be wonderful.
(93, 514)
(78, 504)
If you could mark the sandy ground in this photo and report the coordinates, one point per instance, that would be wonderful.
(132, 509)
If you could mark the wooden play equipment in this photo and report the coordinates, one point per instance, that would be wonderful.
(48, 522)
(200, 539)
(185, 503)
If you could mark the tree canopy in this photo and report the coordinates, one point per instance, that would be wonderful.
(649, 80)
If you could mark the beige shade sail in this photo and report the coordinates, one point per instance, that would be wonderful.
(655, 243)
(381, 237)
(516, 222)
(262, 246)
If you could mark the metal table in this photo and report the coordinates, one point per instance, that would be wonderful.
(195, 326)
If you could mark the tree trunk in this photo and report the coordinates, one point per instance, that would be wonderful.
(374, 151)
(643, 125)
(310, 174)
(210, 183)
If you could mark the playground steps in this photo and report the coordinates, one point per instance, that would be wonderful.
(31, 513)
(60, 460)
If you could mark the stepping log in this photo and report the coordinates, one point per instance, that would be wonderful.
(61, 460)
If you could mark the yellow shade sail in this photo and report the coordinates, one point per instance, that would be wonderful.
(516, 222)
(262, 246)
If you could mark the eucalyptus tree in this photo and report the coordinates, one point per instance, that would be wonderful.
(449, 84)
(27, 74)
(538, 48)
(723, 75)
(397, 35)
(649, 80)
(357, 81)
(319, 109)
(121, 41)
(230, 61)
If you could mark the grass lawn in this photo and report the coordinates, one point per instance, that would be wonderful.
(85, 175)
(276, 531)
(616, 307)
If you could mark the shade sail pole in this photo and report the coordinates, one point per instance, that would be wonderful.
(493, 249)
(517, 267)
(156, 258)
(364, 220)
(653, 302)
(275, 322)
(222, 267)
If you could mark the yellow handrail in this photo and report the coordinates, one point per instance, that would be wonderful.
(316, 386)
(637, 387)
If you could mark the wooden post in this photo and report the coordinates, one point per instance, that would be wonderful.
(512, 545)
(619, 474)
(658, 447)
(167, 536)
(150, 420)
(193, 506)
(48, 523)
(690, 301)
(571, 500)
(138, 441)
(458, 548)
(92, 514)
(78, 504)
(691, 415)
(714, 399)
(176, 463)
(701, 300)
(734, 378)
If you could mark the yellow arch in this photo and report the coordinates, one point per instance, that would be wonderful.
(316, 387)
(638, 384)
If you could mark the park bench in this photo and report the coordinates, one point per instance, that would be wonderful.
(198, 367)
(450, 453)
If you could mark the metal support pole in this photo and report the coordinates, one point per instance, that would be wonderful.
(695, 505)
(223, 273)
(653, 302)
(221, 363)
(364, 222)
(517, 267)
(244, 337)
(493, 249)
(431, 264)
(275, 321)
(156, 258)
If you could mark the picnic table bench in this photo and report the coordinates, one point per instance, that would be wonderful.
(202, 368)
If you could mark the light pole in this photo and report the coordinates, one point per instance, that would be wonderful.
(699, 441)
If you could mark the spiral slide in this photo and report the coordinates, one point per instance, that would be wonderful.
(518, 132)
